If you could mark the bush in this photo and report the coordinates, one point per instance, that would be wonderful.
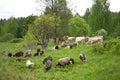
(16, 40)
(113, 46)
(98, 48)
(7, 37)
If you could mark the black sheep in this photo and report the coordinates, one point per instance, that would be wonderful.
(9, 54)
(41, 52)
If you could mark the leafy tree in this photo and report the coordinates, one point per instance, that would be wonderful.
(100, 16)
(59, 9)
(42, 29)
(78, 26)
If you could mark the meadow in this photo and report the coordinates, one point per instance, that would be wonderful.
(98, 66)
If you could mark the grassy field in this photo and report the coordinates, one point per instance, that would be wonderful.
(98, 67)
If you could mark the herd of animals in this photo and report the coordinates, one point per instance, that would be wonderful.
(62, 61)
(48, 60)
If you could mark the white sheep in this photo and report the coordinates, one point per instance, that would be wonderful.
(29, 64)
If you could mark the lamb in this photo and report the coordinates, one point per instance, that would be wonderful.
(29, 64)
(64, 61)
(82, 57)
(48, 62)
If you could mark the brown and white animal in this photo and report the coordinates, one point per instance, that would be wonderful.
(18, 54)
(48, 62)
(29, 64)
(82, 57)
(64, 61)
(96, 39)
(63, 39)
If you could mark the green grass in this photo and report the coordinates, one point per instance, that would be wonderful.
(98, 67)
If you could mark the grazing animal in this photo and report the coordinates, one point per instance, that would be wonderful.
(55, 48)
(37, 53)
(80, 39)
(48, 65)
(97, 39)
(47, 58)
(18, 54)
(63, 44)
(9, 54)
(72, 45)
(19, 60)
(41, 52)
(28, 53)
(63, 39)
(82, 56)
(64, 61)
(48, 62)
(29, 64)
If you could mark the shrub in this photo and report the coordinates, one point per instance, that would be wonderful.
(7, 37)
(98, 48)
(113, 46)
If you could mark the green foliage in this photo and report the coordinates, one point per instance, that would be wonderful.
(78, 26)
(7, 37)
(113, 45)
(60, 9)
(100, 16)
(10, 26)
(43, 27)
(102, 32)
(98, 49)
(115, 24)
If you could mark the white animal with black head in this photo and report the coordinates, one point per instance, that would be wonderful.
(29, 64)
(64, 61)
(82, 57)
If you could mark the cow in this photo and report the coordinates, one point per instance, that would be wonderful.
(96, 39)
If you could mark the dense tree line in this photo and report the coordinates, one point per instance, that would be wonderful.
(16, 26)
